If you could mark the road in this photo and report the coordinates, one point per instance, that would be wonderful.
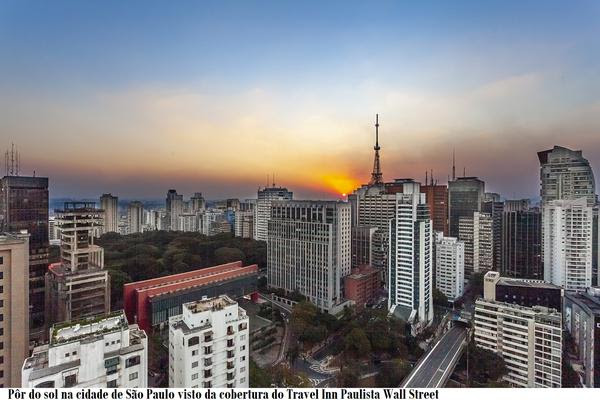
(435, 367)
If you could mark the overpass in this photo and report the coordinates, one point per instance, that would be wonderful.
(434, 369)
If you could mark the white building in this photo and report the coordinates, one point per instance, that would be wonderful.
(96, 352)
(174, 208)
(308, 249)
(263, 209)
(244, 224)
(110, 205)
(410, 277)
(567, 243)
(529, 339)
(135, 217)
(188, 222)
(477, 234)
(53, 232)
(449, 266)
(209, 345)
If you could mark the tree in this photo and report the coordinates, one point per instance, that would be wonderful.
(439, 298)
(259, 378)
(348, 376)
(485, 366)
(392, 373)
(357, 343)
(292, 354)
(224, 255)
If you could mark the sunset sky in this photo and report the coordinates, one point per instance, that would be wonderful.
(137, 97)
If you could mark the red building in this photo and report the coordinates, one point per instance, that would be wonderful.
(437, 200)
(362, 285)
(151, 302)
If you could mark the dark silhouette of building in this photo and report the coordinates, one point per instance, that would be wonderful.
(522, 244)
(437, 200)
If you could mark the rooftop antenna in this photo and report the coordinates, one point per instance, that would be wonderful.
(18, 164)
(12, 159)
(464, 172)
(426, 178)
(453, 164)
(376, 175)
(431, 175)
(273, 179)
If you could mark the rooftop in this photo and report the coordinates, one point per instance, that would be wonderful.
(530, 283)
(212, 304)
(66, 332)
(592, 303)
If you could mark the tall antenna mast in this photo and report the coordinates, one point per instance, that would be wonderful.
(12, 159)
(453, 164)
(376, 175)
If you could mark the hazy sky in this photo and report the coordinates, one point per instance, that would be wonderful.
(135, 98)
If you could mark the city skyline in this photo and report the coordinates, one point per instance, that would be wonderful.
(214, 97)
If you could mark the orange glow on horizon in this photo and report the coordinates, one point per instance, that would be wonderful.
(339, 183)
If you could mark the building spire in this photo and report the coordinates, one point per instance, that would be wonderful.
(376, 175)
(453, 164)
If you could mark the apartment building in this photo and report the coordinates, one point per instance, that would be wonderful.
(93, 352)
(209, 345)
(449, 266)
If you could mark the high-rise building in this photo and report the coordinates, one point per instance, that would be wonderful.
(135, 217)
(449, 266)
(410, 277)
(78, 286)
(244, 224)
(110, 205)
(24, 206)
(437, 200)
(529, 339)
(476, 233)
(465, 236)
(522, 242)
(174, 204)
(494, 206)
(188, 222)
(197, 203)
(581, 314)
(567, 246)
(14, 282)
(263, 209)
(465, 196)
(566, 175)
(209, 345)
(362, 285)
(362, 245)
(93, 352)
(308, 249)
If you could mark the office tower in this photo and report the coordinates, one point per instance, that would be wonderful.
(465, 196)
(522, 242)
(244, 224)
(523, 292)
(263, 209)
(375, 207)
(582, 320)
(362, 285)
(174, 204)
(135, 217)
(94, 352)
(110, 205)
(567, 243)
(24, 206)
(209, 345)
(449, 266)
(410, 277)
(78, 286)
(437, 200)
(566, 175)
(232, 204)
(516, 205)
(197, 203)
(362, 245)
(14, 282)
(308, 249)
(477, 235)
(529, 339)
(494, 206)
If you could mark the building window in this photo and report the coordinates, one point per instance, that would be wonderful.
(194, 352)
(111, 384)
(71, 380)
(1, 260)
(131, 361)
(195, 364)
(194, 376)
(133, 376)
(193, 341)
(1, 275)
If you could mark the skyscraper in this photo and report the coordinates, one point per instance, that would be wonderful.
(465, 196)
(110, 205)
(24, 206)
(566, 175)
(308, 249)
(174, 205)
(78, 286)
(14, 281)
(522, 242)
(410, 277)
(263, 209)
(567, 246)
(494, 206)
(437, 201)
(476, 233)
(135, 217)
(197, 203)
(449, 266)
